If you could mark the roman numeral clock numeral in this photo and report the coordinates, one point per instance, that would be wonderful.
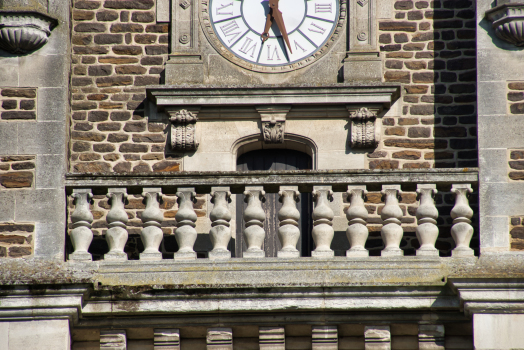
(248, 47)
(323, 7)
(230, 30)
(297, 46)
(224, 10)
(315, 28)
(271, 56)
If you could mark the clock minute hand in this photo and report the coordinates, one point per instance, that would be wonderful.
(277, 15)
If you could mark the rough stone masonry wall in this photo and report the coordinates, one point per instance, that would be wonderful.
(429, 47)
(118, 49)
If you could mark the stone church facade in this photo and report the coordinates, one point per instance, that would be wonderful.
(239, 174)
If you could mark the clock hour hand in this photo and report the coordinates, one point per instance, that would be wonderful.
(277, 15)
(269, 22)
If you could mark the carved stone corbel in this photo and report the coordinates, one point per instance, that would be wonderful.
(507, 21)
(365, 131)
(23, 32)
(183, 129)
(273, 124)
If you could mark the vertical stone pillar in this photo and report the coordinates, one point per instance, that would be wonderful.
(391, 232)
(462, 231)
(220, 216)
(81, 235)
(431, 337)
(152, 218)
(116, 235)
(288, 216)
(357, 215)
(272, 338)
(219, 339)
(186, 218)
(113, 339)
(324, 338)
(377, 338)
(427, 214)
(166, 339)
(322, 232)
(254, 217)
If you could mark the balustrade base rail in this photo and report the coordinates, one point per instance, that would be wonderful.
(390, 216)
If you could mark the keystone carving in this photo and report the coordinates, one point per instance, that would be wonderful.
(273, 124)
(508, 22)
(23, 32)
(183, 127)
(365, 132)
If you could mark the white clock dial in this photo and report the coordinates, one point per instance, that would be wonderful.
(239, 25)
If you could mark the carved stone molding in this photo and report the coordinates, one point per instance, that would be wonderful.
(183, 128)
(273, 124)
(23, 32)
(508, 22)
(365, 131)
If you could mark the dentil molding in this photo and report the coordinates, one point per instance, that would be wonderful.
(23, 32)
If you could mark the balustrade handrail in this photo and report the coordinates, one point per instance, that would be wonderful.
(262, 178)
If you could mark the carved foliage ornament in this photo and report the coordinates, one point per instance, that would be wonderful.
(363, 128)
(183, 126)
(23, 32)
(508, 22)
(273, 131)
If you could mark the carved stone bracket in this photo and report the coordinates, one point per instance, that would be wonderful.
(183, 128)
(508, 21)
(23, 32)
(273, 124)
(365, 131)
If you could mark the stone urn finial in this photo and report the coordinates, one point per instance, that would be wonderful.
(507, 19)
(24, 31)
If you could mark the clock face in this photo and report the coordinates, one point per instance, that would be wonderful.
(240, 25)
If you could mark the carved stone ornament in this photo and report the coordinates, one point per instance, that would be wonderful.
(183, 127)
(23, 32)
(508, 22)
(273, 132)
(364, 133)
(273, 121)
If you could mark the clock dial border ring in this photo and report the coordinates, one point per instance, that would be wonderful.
(212, 37)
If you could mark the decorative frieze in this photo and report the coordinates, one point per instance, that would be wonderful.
(183, 129)
(254, 217)
(113, 339)
(288, 216)
(377, 338)
(507, 20)
(324, 337)
(219, 339)
(357, 215)
(81, 235)
(272, 338)
(462, 231)
(392, 231)
(431, 337)
(152, 218)
(273, 122)
(365, 131)
(166, 339)
(427, 214)
(116, 235)
(220, 216)
(186, 218)
(323, 215)
(23, 32)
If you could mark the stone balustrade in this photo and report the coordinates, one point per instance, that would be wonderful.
(335, 197)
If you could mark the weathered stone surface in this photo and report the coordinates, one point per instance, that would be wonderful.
(16, 179)
(166, 165)
(92, 167)
(383, 164)
(420, 144)
(13, 92)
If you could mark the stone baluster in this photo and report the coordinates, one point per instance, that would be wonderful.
(324, 337)
(186, 218)
(288, 215)
(431, 337)
(271, 338)
(254, 217)
(219, 339)
(220, 216)
(322, 232)
(357, 215)
(113, 339)
(152, 218)
(427, 214)
(462, 231)
(116, 235)
(81, 235)
(377, 338)
(166, 339)
(391, 215)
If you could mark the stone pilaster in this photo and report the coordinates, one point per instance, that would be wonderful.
(288, 215)
(323, 215)
(220, 233)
